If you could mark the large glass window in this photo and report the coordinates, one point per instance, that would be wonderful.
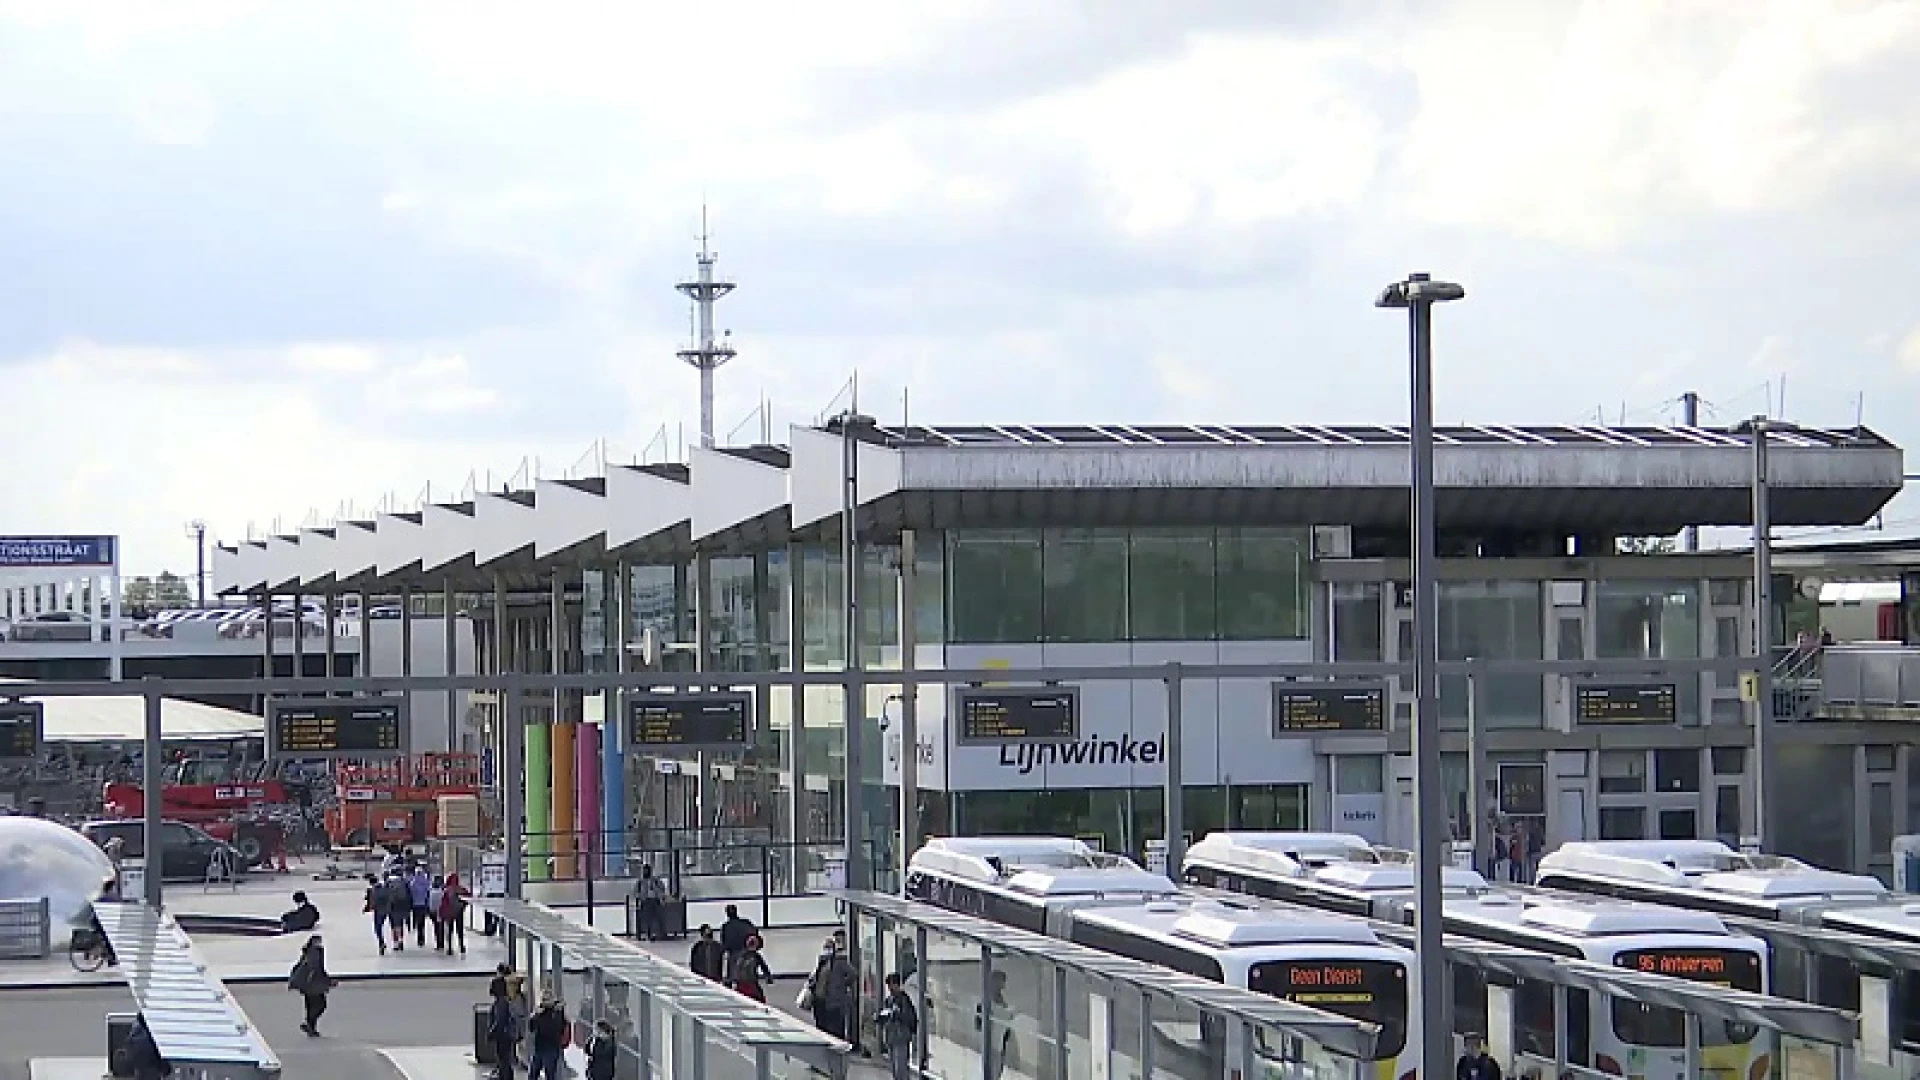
(1643, 620)
(1492, 620)
(1261, 584)
(1170, 578)
(1357, 623)
(1084, 575)
(993, 587)
(823, 606)
(657, 603)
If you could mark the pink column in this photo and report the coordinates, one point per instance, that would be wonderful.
(586, 788)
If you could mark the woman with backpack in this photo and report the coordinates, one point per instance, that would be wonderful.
(311, 981)
(451, 911)
(750, 971)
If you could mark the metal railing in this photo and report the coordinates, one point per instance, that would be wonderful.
(26, 929)
(1871, 676)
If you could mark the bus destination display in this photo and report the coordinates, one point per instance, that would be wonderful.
(341, 727)
(695, 721)
(1719, 967)
(994, 717)
(1303, 708)
(1638, 703)
(1371, 990)
(21, 724)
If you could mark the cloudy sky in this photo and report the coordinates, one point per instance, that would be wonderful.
(259, 260)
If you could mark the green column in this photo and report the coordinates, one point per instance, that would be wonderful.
(539, 802)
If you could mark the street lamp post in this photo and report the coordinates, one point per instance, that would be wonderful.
(1417, 295)
(1763, 773)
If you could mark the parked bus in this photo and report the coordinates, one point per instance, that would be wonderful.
(1341, 873)
(1066, 889)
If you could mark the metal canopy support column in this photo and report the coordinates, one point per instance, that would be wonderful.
(449, 660)
(909, 708)
(1476, 778)
(1560, 1030)
(858, 872)
(513, 731)
(1175, 794)
(266, 645)
(704, 613)
(365, 666)
(613, 726)
(989, 1066)
(561, 800)
(1765, 805)
(152, 780)
(328, 608)
(797, 727)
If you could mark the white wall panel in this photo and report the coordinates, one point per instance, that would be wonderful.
(564, 515)
(501, 526)
(447, 535)
(818, 472)
(728, 490)
(640, 504)
(397, 543)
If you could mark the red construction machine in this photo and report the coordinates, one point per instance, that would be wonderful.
(397, 802)
(244, 805)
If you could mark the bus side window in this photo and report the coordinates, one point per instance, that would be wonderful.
(1837, 984)
(1579, 1027)
(1469, 1000)
(1906, 1007)
(1533, 1006)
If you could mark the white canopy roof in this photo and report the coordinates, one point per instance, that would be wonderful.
(124, 719)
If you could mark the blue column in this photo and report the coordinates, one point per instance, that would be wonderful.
(618, 599)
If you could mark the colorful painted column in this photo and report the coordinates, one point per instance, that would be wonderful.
(613, 796)
(539, 801)
(563, 800)
(586, 774)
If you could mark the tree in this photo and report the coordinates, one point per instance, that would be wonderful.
(136, 598)
(172, 591)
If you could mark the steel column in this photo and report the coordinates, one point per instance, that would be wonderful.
(1174, 813)
(154, 781)
(909, 708)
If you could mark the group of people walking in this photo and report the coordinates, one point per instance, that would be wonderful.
(539, 1039)
(407, 897)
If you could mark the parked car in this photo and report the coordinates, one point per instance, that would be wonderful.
(54, 626)
(185, 851)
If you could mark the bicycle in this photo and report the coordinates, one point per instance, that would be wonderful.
(89, 950)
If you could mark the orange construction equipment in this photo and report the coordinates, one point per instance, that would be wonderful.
(397, 801)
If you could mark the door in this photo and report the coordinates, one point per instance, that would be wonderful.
(1569, 821)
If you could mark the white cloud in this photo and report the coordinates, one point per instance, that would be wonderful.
(1078, 211)
(1909, 352)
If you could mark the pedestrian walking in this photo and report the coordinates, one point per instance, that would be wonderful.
(435, 894)
(550, 1032)
(899, 1023)
(399, 909)
(502, 1030)
(734, 932)
(829, 991)
(376, 906)
(1475, 1063)
(651, 892)
(517, 1001)
(603, 1053)
(708, 959)
(453, 913)
(311, 981)
(750, 971)
(420, 901)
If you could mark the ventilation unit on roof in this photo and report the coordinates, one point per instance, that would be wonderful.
(1333, 541)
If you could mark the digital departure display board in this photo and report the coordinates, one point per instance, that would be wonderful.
(365, 727)
(1374, 991)
(22, 729)
(695, 721)
(1719, 967)
(1522, 790)
(1634, 703)
(999, 716)
(1304, 708)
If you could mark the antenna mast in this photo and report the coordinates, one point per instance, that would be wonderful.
(705, 354)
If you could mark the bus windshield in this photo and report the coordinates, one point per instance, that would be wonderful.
(1649, 1025)
(1371, 990)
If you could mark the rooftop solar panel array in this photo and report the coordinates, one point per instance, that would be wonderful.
(1506, 435)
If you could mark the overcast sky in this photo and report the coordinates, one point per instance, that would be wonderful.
(264, 259)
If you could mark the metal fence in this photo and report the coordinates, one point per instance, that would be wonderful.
(26, 929)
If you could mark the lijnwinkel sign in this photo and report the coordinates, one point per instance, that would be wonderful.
(39, 552)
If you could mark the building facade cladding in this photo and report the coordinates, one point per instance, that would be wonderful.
(1038, 598)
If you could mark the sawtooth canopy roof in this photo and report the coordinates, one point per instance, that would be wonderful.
(1572, 479)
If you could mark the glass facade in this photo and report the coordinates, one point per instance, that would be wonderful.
(1356, 608)
(1492, 620)
(1091, 585)
(1124, 819)
(1651, 620)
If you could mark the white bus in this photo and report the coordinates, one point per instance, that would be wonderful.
(1704, 875)
(1067, 890)
(1624, 1038)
